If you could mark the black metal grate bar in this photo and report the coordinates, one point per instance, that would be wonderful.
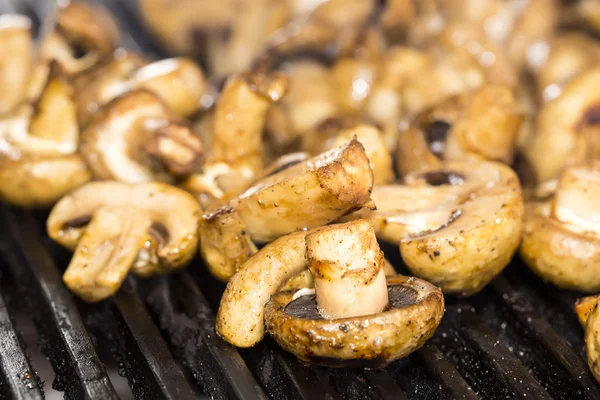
(166, 372)
(18, 379)
(385, 385)
(238, 376)
(443, 369)
(508, 367)
(546, 335)
(92, 379)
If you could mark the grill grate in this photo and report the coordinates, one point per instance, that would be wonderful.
(161, 332)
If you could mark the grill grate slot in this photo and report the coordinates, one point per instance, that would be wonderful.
(65, 341)
(443, 369)
(17, 378)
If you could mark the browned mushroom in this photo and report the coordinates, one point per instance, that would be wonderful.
(561, 240)
(114, 227)
(337, 326)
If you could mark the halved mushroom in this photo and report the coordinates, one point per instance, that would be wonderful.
(584, 307)
(482, 124)
(224, 243)
(588, 313)
(38, 144)
(567, 127)
(308, 194)
(561, 240)
(568, 55)
(334, 133)
(227, 33)
(309, 101)
(336, 326)
(135, 140)
(83, 35)
(240, 319)
(179, 82)
(114, 227)
(235, 155)
(457, 226)
(16, 53)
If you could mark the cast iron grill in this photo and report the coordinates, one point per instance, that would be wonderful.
(518, 338)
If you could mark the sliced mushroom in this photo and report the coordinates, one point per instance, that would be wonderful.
(16, 53)
(584, 307)
(567, 127)
(179, 82)
(457, 227)
(308, 194)
(335, 132)
(561, 240)
(482, 124)
(134, 141)
(38, 144)
(337, 327)
(592, 340)
(240, 319)
(114, 227)
(309, 102)
(235, 156)
(228, 34)
(83, 36)
(568, 55)
(224, 243)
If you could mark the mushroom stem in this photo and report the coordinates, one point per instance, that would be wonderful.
(347, 266)
(106, 252)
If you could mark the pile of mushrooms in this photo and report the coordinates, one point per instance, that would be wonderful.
(455, 131)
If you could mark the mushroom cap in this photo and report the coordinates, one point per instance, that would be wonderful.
(127, 142)
(176, 210)
(584, 307)
(415, 311)
(475, 246)
(115, 227)
(308, 194)
(567, 258)
(33, 182)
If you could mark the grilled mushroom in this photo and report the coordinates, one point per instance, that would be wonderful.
(224, 243)
(335, 132)
(16, 51)
(567, 127)
(457, 226)
(235, 155)
(338, 326)
(38, 144)
(482, 124)
(561, 240)
(179, 82)
(588, 313)
(308, 194)
(134, 141)
(114, 227)
(83, 36)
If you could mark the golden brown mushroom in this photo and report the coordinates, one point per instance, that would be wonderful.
(235, 153)
(38, 149)
(482, 124)
(567, 127)
(339, 327)
(308, 194)
(83, 36)
(114, 227)
(16, 53)
(134, 140)
(588, 313)
(457, 226)
(179, 82)
(561, 240)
